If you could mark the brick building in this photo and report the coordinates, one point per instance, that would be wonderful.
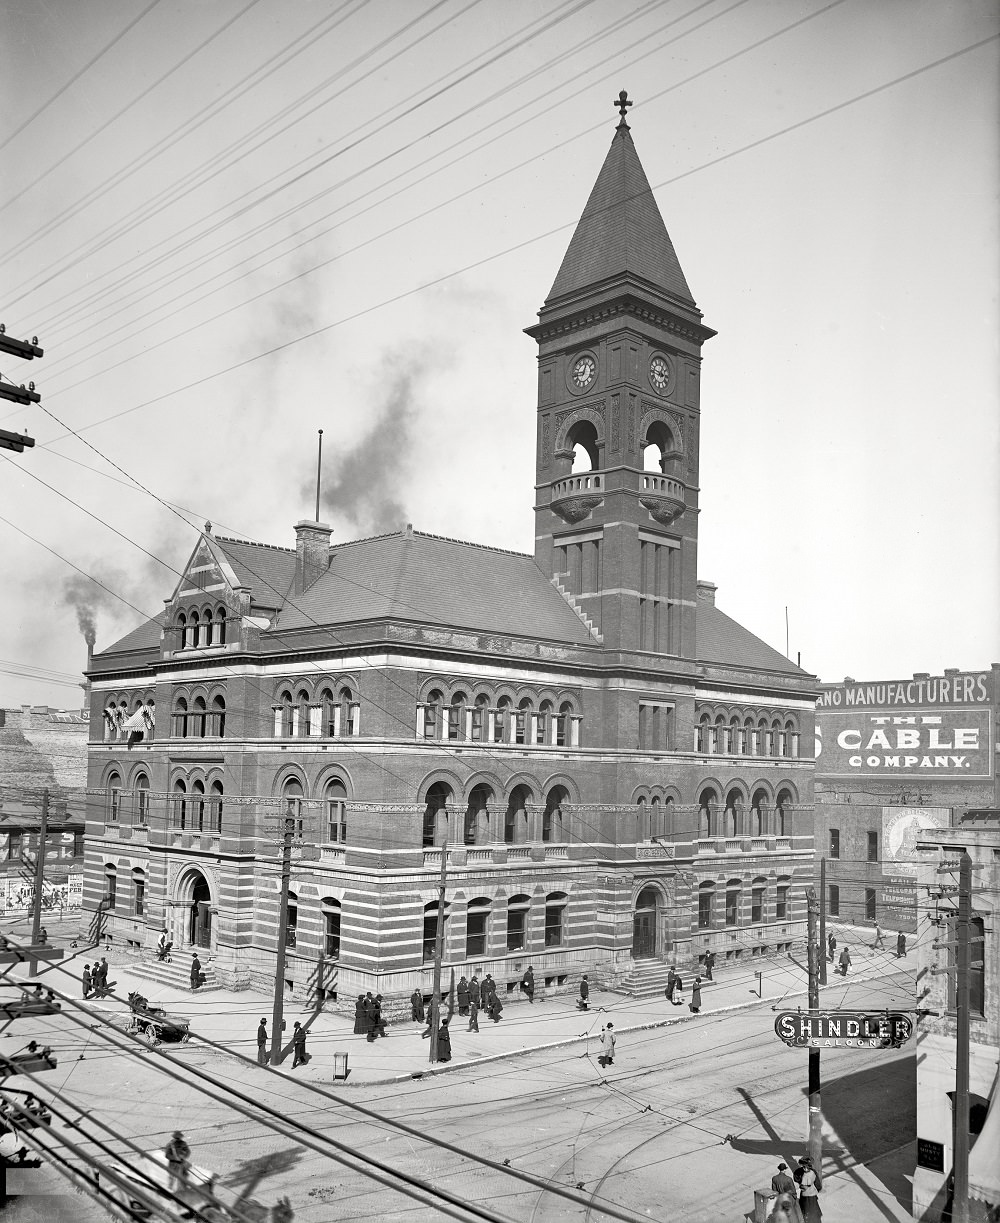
(617, 766)
(895, 756)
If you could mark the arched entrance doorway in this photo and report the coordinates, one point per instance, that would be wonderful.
(644, 925)
(195, 899)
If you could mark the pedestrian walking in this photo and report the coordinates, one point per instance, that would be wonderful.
(781, 1182)
(444, 1042)
(262, 1043)
(473, 1015)
(101, 978)
(900, 945)
(679, 990)
(879, 938)
(360, 1019)
(376, 1023)
(696, 995)
(197, 976)
(475, 991)
(178, 1155)
(87, 980)
(844, 961)
(528, 984)
(583, 1004)
(416, 1007)
(463, 997)
(607, 1055)
(709, 965)
(299, 1055)
(496, 1007)
(831, 947)
(671, 984)
(810, 1185)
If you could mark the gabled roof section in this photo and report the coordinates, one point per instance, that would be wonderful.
(621, 231)
(721, 640)
(427, 579)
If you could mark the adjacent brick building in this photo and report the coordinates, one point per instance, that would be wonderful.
(622, 773)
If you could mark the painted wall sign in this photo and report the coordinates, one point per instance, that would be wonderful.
(843, 1029)
(917, 744)
(964, 688)
(900, 828)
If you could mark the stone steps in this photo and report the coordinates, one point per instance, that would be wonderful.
(175, 972)
(645, 980)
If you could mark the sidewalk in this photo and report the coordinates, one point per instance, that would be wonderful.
(230, 1019)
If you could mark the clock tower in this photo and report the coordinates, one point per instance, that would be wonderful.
(619, 357)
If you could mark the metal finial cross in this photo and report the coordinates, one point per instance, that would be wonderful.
(622, 103)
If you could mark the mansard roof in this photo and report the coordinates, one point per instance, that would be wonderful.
(621, 232)
(429, 579)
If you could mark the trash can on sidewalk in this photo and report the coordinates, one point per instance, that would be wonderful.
(340, 1070)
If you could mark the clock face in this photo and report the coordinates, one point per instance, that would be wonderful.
(584, 371)
(659, 373)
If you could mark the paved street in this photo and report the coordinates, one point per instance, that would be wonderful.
(691, 1117)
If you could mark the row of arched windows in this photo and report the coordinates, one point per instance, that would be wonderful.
(129, 718)
(732, 906)
(199, 628)
(333, 713)
(731, 817)
(459, 718)
(330, 912)
(333, 815)
(483, 822)
(199, 718)
(131, 808)
(481, 916)
(197, 805)
(137, 896)
(747, 734)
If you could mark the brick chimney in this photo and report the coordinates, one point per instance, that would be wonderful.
(312, 553)
(706, 592)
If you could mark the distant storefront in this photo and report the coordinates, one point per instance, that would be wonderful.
(894, 758)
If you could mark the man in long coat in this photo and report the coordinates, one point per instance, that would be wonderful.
(671, 982)
(195, 971)
(583, 1004)
(88, 983)
(298, 1045)
(444, 1042)
(900, 945)
(475, 993)
(262, 1043)
(528, 983)
(696, 995)
(463, 997)
(417, 1006)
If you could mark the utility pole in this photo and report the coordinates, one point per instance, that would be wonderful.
(279, 968)
(822, 921)
(438, 954)
(815, 1140)
(960, 1205)
(43, 831)
(27, 350)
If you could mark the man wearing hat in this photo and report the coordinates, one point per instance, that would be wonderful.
(781, 1182)
(262, 1043)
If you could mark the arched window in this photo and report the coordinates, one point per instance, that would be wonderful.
(430, 928)
(292, 796)
(750, 745)
(215, 812)
(140, 799)
(552, 814)
(564, 725)
(515, 820)
(199, 717)
(704, 741)
(219, 716)
(763, 738)
(758, 816)
(335, 803)
(641, 819)
(782, 813)
(114, 798)
(555, 909)
(477, 816)
(220, 626)
(706, 905)
(180, 718)
(292, 924)
(328, 714)
(110, 885)
(138, 891)
(545, 729)
(721, 735)
(182, 627)
(582, 440)
(791, 742)
(502, 722)
(735, 736)
(734, 813)
(180, 805)
(456, 717)
(194, 630)
(517, 920)
(708, 806)
(522, 721)
(480, 716)
(758, 892)
(733, 889)
(300, 714)
(331, 910)
(777, 738)
(198, 806)
(436, 814)
(283, 715)
(655, 816)
(659, 448)
(350, 713)
(432, 714)
(477, 920)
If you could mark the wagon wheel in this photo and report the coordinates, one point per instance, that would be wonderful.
(149, 1034)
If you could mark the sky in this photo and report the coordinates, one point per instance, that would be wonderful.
(233, 224)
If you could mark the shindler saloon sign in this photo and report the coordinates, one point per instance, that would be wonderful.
(843, 1029)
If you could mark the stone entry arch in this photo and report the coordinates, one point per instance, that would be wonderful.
(644, 923)
(195, 910)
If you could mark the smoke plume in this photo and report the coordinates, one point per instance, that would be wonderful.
(86, 598)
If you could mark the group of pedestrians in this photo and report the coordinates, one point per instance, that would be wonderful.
(95, 979)
(474, 996)
(368, 1018)
(798, 1194)
(844, 961)
(674, 990)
